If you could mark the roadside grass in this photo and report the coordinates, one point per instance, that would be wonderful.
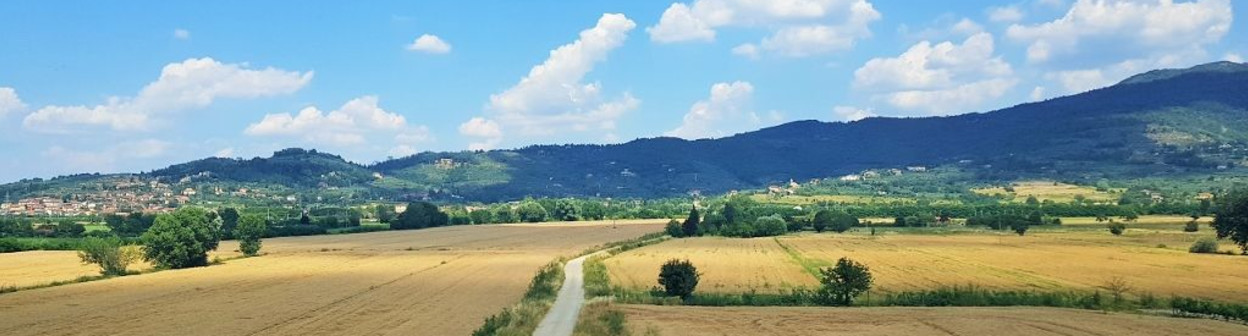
(602, 318)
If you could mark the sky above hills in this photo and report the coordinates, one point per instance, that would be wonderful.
(106, 87)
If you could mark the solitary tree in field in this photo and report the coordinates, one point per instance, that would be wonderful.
(678, 278)
(1117, 228)
(673, 229)
(1231, 219)
(1020, 227)
(841, 283)
(843, 222)
(181, 239)
(249, 231)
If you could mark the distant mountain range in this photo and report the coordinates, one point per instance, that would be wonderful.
(1157, 123)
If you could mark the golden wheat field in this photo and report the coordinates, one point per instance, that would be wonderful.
(700, 321)
(1153, 261)
(441, 281)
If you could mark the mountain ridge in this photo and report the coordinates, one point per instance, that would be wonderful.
(1156, 123)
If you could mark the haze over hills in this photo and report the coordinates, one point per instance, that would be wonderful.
(1158, 123)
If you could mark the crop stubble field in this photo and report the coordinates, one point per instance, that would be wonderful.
(1021, 321)
(441, 281)
(1083, 260)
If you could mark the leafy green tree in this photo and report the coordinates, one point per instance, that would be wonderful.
(531, 212)
(353, 217)
(419, 215)
(678, 278)
(691, 225)
(673, 229)
(769, 226)
(823, 219)
(248, 232)
(305, 220)
(109, 253)
(181, 239)
(1231, 218)
(229, 220)
(1035, 218)
(841, 283)
(843, 222)
(593, 210)
(1031, 200)
(480, 216)
(503, 214)
(69, 228)
(566, 210)
(1021, 227)
(384, 213)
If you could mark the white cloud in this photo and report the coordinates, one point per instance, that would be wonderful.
(1006, 14)
(945, 27)
(1233, 57)
(850, 113)
(9, 102)
(799, 27)
(358, 122)
(552, 100)
(227, 152)
(1084, 79)
(1037, 93)
(488, 131)
(181, 34)
(726, 112)
(1097, 27)
(191, 84)
(747, 50)
(106, 159)
(938, 79)
(429, 44)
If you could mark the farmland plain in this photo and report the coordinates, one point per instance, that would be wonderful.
(699, 321)
(1150, 261)
(441, 281)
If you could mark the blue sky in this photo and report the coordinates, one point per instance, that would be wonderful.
(107, 87)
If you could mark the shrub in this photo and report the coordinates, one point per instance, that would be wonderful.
(1204, 245)
(769, 226)
(673, 229)
(841, 283)
(691, 227)
(1117, 228)
(843, 222)
(420, 215)
(822, 220)
(531, 212)
(249, 230)
(1191, 226)
(181, 239)
(1021, 228)
(109, 254)
(678, 278)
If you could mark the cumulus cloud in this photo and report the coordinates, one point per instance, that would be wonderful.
(358, 124)
(851, 113)
(191, 84)
(1130, 27)
(1233, 57)
(726, 112)
(1006, 14)
(938, 79)
(108, 158)
(429, 44)
(552, 100)
(798, 28)
(9, 102)
(181, 34)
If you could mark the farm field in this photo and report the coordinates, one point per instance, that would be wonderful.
(441, 281)
(1051, 191)
(698, 321)
(1060, 260)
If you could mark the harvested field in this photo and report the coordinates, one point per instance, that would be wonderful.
(698, 321)
(442, 281)
(1048, 261)
(1051, 191)
(728, 265)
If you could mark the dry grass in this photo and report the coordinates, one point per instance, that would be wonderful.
(1149, 220)
(1048, 190)
(1061, 260)
(441, 281)
(699, 321)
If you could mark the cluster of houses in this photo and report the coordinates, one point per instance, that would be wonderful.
(870, 174)
(91, 204)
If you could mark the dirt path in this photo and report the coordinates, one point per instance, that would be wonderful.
(561, 319)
